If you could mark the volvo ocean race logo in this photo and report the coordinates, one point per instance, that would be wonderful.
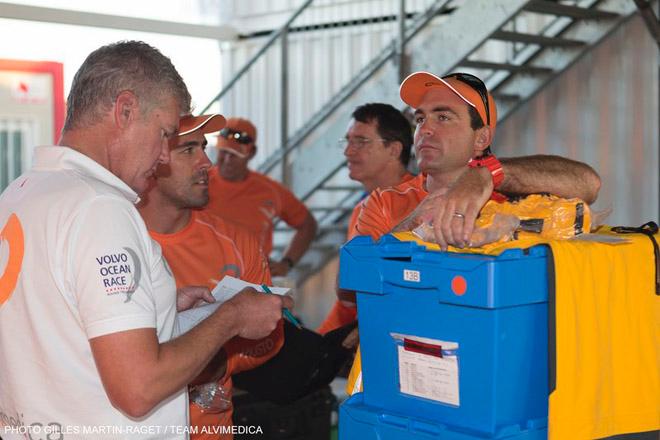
(120, 272)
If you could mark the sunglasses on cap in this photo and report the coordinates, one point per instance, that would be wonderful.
(476, 84)
(239, 136)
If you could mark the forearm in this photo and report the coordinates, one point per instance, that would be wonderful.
(301, 240)
(551, 174)
(138, 372)
(182, 359)
(214, 370)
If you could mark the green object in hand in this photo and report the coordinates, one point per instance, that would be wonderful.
(286, 312)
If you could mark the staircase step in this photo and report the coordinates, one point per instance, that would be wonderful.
(504, 66)
(342, 188)
(316, 246)
(333, 228)
(322, 228)
(506, 97)
(518, 37)
(331, 208)
(548, 7)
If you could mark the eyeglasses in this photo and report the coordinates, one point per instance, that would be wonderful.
(239, 136)
(477, 84)
(358, 142)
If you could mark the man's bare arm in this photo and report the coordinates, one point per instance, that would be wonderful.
(550, 174)
(454, 212)
(300, 242)
(138, 372)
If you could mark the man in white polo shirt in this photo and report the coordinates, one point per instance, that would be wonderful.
(88, 337)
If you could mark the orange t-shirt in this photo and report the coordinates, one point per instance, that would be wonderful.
(255, 203)
(341, 314)
(386, 208)
(201, 254)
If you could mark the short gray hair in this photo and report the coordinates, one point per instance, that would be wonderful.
(126, 65)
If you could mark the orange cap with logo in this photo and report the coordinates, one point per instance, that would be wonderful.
(206, 123)
(237, 136)
(417, 84)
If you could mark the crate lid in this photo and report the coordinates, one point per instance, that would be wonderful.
(516, 276)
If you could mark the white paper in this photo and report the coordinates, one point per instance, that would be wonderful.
(226, 289)
(428, 376)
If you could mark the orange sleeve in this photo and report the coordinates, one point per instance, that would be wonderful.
(245, 354)
(384, 209)
(352, 222)
(374, 219)
(339, 315)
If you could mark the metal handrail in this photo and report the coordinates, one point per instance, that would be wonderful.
(358, 80)
(257, 55)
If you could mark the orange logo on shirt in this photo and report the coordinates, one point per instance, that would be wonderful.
(11, 236)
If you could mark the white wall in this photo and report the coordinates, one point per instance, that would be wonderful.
(603, 111)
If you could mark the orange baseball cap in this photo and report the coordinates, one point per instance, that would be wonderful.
(417, 84)
(205, 123)
(237, 136)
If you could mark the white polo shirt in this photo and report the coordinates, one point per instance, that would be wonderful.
(76, 262)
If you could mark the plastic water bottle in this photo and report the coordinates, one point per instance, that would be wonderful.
(210, 397)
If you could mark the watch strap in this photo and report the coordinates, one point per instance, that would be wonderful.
(492, 164)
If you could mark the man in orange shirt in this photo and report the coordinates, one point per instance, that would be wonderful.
(377, 149)
(455, 119)
(202, 248)
(255, 200)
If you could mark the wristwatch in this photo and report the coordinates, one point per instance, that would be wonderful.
(493, 165)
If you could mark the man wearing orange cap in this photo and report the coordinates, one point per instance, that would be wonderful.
(455, 119)
(201, 249)
(255, 200)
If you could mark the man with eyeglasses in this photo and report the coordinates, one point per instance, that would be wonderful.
(255, 200)
(455, 119)
(377, 148)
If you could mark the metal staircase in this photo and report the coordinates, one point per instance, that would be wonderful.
(516, 46)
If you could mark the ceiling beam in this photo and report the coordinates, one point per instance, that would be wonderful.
(79, 18)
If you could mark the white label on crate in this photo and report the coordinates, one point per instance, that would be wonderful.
(424, 373)
(412, 275)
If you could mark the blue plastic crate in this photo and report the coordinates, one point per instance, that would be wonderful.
(488, 314)
(358, 421)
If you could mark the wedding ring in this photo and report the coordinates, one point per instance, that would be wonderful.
(459, 215)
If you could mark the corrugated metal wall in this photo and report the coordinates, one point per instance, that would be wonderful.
(603, 111)
(327, 58)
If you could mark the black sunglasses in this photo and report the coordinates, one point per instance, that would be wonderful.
(477, 84)
(239, 136)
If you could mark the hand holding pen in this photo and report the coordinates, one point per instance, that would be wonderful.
(286, 312)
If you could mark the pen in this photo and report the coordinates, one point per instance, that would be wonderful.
(287, 314)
